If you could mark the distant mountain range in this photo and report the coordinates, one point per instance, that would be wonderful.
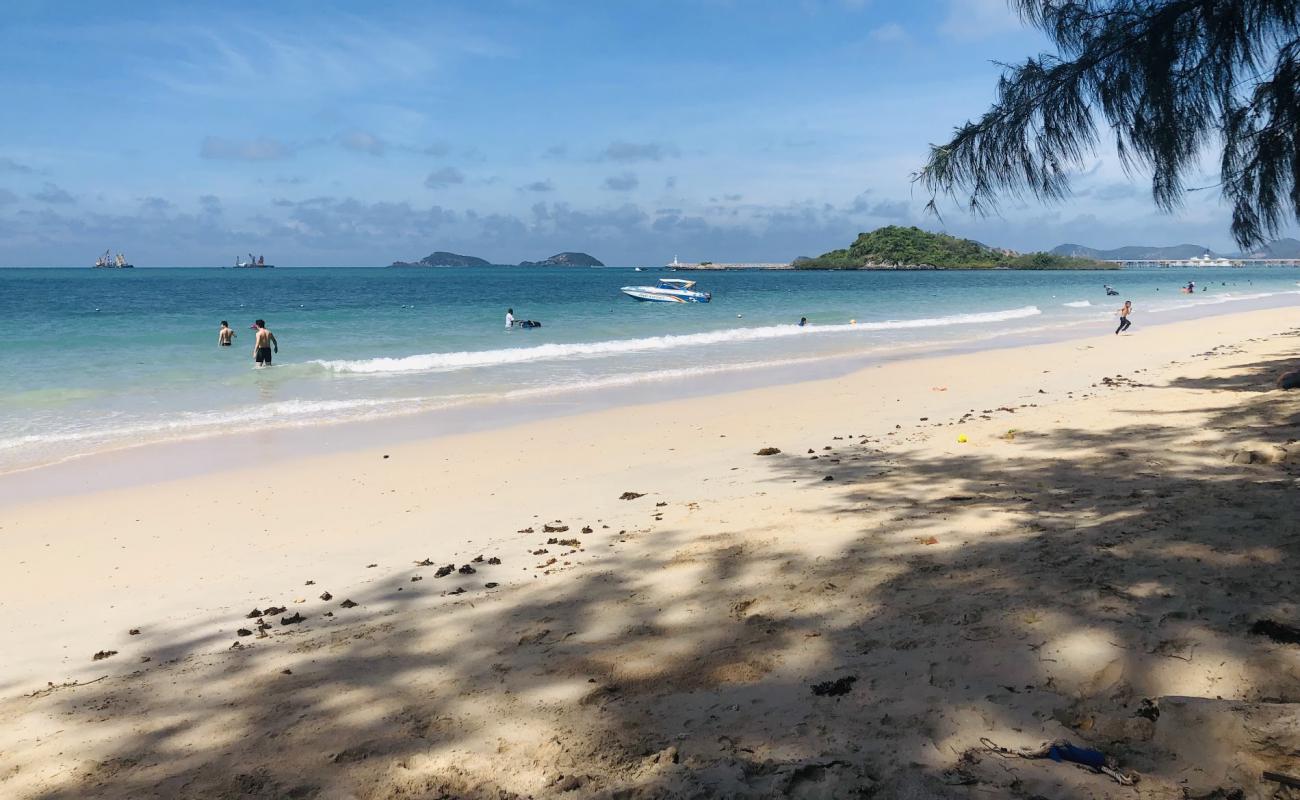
(1280, 248)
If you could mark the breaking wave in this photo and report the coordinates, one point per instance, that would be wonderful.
(444, 362)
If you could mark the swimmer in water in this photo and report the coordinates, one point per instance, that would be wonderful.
(263, 344)
(803, 321)
(226, 335)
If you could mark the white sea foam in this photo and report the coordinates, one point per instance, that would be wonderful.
(1077, 304)
(186, 426)
(634, 378)
(1215, 299)
(190, 423)
(443, 362)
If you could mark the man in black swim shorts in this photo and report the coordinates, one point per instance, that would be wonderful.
(263, 343)
(225, 335)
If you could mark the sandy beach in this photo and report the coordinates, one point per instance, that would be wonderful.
(1068, 541)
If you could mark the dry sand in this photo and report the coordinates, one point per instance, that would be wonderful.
(1087, 566)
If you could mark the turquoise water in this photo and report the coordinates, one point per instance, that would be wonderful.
(99, 358)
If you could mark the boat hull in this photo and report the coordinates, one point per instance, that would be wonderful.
(650, 294)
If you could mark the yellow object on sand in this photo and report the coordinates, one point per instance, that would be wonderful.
(961, 438)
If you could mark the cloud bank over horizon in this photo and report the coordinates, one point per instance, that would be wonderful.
(328, 137)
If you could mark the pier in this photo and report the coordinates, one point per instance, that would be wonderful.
(707, 265)
(1206, 262)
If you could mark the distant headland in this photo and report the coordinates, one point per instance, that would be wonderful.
(565, 260)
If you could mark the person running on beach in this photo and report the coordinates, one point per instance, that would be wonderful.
(510, 318)
(1124, 323)
(225, 335)
(263, 344)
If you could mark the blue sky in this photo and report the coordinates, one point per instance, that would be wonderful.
(338, 133)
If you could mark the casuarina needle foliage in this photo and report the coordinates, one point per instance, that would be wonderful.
(1172, 79)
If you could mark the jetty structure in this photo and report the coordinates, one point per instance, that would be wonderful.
(711, 265)
(1207, 260)
(1204, 262)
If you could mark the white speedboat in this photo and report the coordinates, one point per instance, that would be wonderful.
(669, 290)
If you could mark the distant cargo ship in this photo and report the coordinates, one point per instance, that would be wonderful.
(108, 261)
(252, 263)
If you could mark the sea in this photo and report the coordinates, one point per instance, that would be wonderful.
(93, 360)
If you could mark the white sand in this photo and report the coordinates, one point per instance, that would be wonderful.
(1089, 546)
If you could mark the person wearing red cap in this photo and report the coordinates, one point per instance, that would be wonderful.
(263, 343)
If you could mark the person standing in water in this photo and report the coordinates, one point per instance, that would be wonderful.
(225, 336)
(1124, 323)
(263, 344)
(510, 318)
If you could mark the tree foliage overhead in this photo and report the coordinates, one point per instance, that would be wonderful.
(1170, 78)
(897, 246)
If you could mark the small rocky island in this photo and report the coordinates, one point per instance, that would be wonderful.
(443, 259)
(564, 260)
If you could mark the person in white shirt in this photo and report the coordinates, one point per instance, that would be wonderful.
(510, 318)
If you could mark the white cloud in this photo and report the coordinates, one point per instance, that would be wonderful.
(363, 142)
(444, 177)
(979, 19)
(51, 193)
(259, 149)
(325, 56)
(621, 183)
(9, 165)
(634, 151)
(889, 33)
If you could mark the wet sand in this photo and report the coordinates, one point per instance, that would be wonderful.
(853, 613)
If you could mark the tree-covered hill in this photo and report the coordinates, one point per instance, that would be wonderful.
(895, 247)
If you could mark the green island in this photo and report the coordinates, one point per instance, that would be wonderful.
(898, 247)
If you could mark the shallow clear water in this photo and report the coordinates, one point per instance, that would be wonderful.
(96, 358)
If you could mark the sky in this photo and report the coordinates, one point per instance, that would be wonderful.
(338, 133)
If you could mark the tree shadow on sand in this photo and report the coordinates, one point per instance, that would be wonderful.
(1039, 587)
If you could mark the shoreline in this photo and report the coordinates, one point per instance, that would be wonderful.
(930, 570)
(124, 464)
